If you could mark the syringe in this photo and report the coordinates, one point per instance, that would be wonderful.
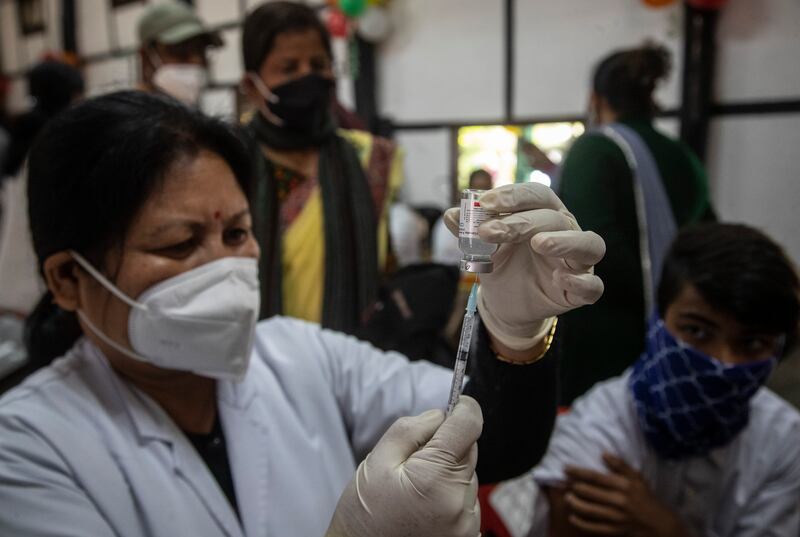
(463, 349)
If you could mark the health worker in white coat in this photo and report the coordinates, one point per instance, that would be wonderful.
(170, 411)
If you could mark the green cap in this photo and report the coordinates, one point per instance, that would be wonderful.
(173, 22)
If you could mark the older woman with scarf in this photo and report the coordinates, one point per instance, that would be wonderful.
(320, 195)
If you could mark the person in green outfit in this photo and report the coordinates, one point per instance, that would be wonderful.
(635, 187)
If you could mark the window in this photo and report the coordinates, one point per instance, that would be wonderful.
(500, 149)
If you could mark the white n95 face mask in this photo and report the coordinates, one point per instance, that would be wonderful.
(201, 321)
(183, 81)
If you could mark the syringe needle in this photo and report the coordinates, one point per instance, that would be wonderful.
(463, 350)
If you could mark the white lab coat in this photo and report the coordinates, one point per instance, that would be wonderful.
(84, 453)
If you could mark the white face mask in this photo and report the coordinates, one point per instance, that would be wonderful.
(202, 320)
(184, 81)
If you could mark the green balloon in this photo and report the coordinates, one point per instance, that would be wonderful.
(352, 8)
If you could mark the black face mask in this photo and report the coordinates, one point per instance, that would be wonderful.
(301, 105)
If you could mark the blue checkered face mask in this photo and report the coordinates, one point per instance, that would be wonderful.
(689, 403)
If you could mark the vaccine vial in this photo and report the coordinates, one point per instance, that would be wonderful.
(476, 255)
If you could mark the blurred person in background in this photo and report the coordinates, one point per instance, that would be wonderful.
(598, 185)
(52, 85)
(408, 231)
(480, 179)
(687, 442)
(321, 194)
(173, 51)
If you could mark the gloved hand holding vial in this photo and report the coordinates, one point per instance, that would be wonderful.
(542, 266)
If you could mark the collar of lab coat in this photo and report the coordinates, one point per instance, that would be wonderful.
(149, 420)
(151, 423)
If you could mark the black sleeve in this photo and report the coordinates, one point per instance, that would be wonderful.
(519, 410)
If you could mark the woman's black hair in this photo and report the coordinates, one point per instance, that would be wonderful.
(739, 271)
(89, 173)
(263, 25)
(627, 79)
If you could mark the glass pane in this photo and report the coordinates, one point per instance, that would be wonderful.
(503, 151)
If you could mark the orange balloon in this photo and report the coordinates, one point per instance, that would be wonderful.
(658, 3)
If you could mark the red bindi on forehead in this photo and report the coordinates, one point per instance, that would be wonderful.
(217, 215)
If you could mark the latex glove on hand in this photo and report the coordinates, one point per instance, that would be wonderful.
(419, 480)
(544, 265)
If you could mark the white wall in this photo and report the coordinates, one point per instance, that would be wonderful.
(759, 49)
(443, 62)
(559, 43)
(752, 163)
(111, 74)
(53, 38)
(755, 176)
(226, 61)
(92, 26)
(10, 41)
(124, 20)
(427, 167)
(219, 11)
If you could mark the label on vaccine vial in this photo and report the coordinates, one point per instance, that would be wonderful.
(472, 216)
